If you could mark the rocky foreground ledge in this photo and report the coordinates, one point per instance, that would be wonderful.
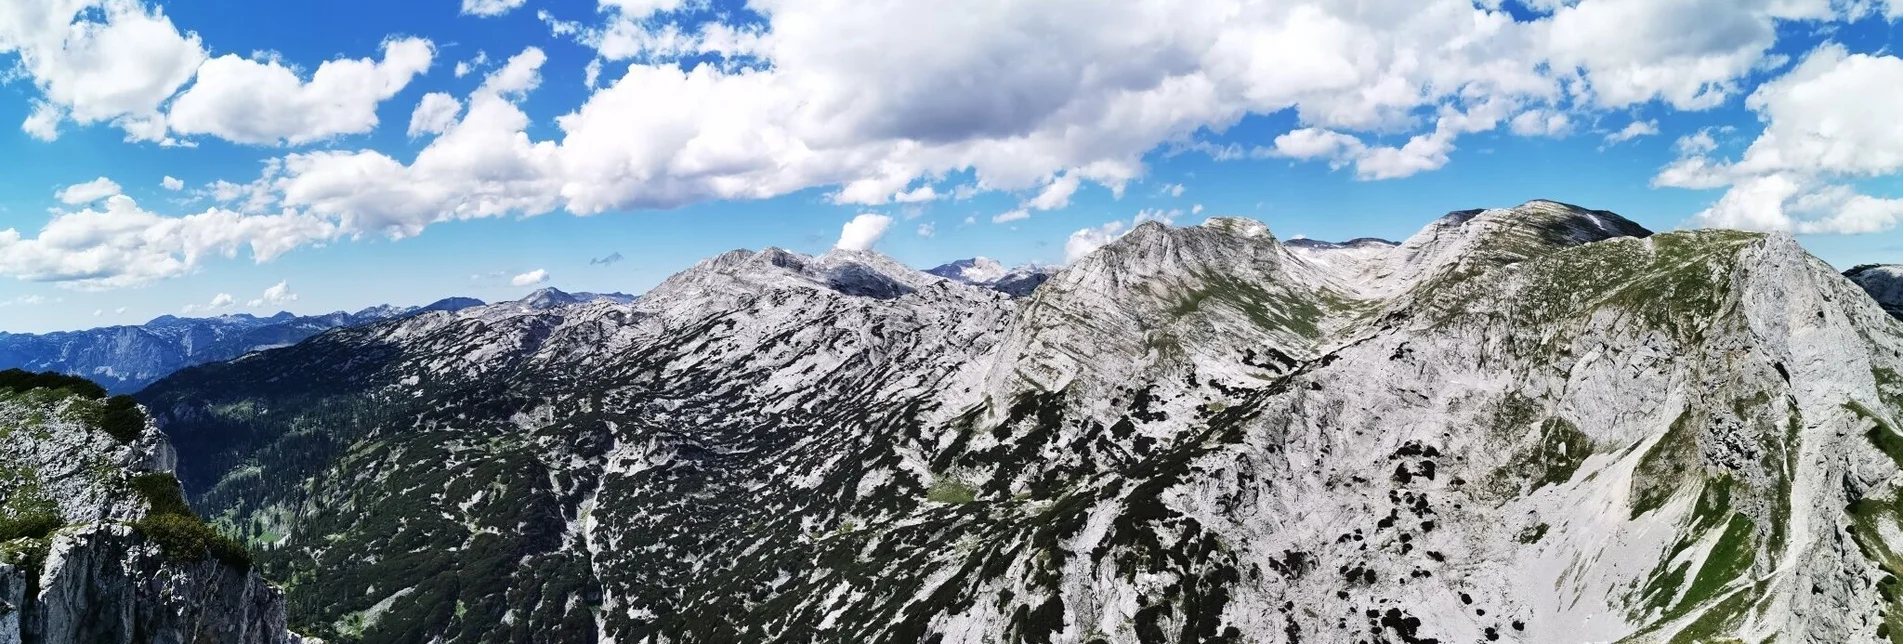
(96, 541)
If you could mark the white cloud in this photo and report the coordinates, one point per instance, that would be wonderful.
(1011, 216)
(434, 114)
(265, 103)
(464, 68)
(23, 300)
(863, 232)
(591, 74)
(1088, 240)
(877, 101)
(1696, 143)
(1157, 215)
(88, 192)
(927, 229)
(43, 122)
(1634, 130)
(1319, 144)
(277, 295)
(1173, 189)
(98, 61)
(122, 244)
(171, 183)
(1690, 54)
(1826, 124)
(488, 8)
(1541, 123)
(530, 278)
(1056, 194)
(920, 194)
(219, 301)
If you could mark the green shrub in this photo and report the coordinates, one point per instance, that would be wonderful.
(122, 419)
(162, 492)
(950, 491)
(178, 530)
(34, 525)
(186, 538)
(17, 380)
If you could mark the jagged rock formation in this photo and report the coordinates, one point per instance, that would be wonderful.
(1536, 424)
(127, 358)
(1884, 282)
(96, 543)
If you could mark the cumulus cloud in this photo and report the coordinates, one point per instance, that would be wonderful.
(88, 192)
(863, 231)
(98, 61)
(1011, 216)
(1633, 130)
(610, 260)
(1056, 194)
(171, 183)
(1158, 215)
(1691, 54)
(264, 102)
(120, 244)
(1541, 123)
(1088, 240)
(927, 229)
(877, 102)
(277, 295)
(920, 194)
(823, 94)
(219, 301)
(464, 68)
(530, 278)
(1826, 125)
(487, 8)
(434, 114)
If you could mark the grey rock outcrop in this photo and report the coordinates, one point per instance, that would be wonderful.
(82, 558)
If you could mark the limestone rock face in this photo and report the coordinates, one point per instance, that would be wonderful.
(1884, 283)
(76, 564)
(1539, 424)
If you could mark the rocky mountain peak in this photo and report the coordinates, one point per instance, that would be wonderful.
(1884, 283)
(1239, 226)
(546, 298)
(976, 270)
(1523, 424)
(1020, 281)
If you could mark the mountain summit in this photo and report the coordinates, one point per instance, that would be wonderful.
(1532, 424)
(1884, 283)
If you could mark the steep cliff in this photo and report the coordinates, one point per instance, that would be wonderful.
(96, 541)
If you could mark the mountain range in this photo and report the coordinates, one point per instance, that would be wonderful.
(1533, 424)
(127, 358)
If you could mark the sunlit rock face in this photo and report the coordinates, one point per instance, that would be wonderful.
(1531, 424)
(96, 542)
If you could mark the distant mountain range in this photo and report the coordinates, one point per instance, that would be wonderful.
(127, 358)
(1884, 283)
(988, 273)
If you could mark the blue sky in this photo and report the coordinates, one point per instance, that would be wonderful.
(706, 126)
